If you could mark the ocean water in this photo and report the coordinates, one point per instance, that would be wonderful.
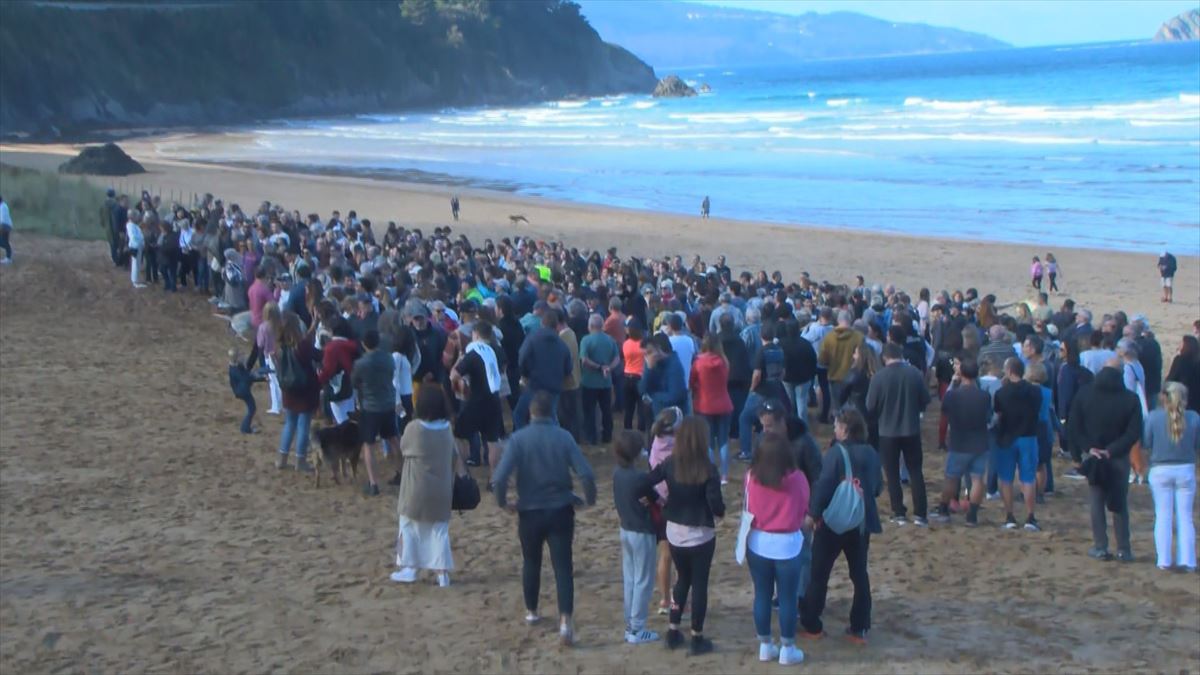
(1095, 146)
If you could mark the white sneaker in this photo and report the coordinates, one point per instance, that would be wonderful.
(767, 652)
(405, 575)
(274, 411)
(790, 655)
(443, 579)
(139, 285)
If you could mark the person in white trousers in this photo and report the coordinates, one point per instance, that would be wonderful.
(265, 339)
(1172, 436)
(137, 241)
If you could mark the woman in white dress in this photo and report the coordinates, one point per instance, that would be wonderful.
(426, 488)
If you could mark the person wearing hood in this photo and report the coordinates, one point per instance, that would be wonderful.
(1105, 421)
(738, 358)
(837, 352)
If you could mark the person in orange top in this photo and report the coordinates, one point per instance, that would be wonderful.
(634, 360)
(614, 326)
(710, 387)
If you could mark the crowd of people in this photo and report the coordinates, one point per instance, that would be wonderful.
(425, 340)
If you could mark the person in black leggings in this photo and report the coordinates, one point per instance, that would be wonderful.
(694, 486)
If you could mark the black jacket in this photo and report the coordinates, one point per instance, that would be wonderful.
(800, 360)
(854, 391)
(696, 505)
(738, 357)
(806, 452)
(1018, 404)
(1151, 357)
(1105, 415)
(1186, 371)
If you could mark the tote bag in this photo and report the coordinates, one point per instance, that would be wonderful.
(743, 535)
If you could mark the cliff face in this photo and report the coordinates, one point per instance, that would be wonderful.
(1186, 26)
(70, 67)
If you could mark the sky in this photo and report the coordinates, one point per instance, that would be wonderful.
(1023, 23)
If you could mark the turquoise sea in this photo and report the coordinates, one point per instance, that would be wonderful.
(1093, 145)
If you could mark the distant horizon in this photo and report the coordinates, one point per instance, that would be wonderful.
(1021, 23)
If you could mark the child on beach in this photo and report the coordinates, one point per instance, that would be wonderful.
(633, 495)
(663, 433)
(1052, 272)
(1035, 273)
(240, 381)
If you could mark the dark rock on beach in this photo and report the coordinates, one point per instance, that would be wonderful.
(672, 86)
(102, 160)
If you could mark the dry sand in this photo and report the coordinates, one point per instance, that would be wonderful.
(140, 532)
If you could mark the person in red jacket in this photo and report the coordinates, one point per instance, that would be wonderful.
(337, 363)
(709, 384)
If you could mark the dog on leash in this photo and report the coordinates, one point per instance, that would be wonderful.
(340, 445)
(513, 220)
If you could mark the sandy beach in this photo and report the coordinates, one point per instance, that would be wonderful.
(139, 531)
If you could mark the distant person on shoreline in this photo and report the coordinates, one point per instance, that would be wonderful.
(1166, 270)
(6, 227)
(454, 207)
(704, 206)
(1035, 273)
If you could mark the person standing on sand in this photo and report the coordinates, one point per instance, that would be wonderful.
(426, 492)
(1035, 273)
(968, 409)
(1018, 405)
(693, 505)
(851, 433)
(372, 379)
(136, 240)
(1106, 420)
(777, 495)
(633, 496)
(1172, 437)
(599, 355)
(896, 397)
(704, 207)
(543, 456)
(6, 228)
(454, 207)
(300, 402)
(1166, 272)
(545, 361)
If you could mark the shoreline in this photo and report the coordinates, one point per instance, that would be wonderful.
(144, 149)
(1097, 279)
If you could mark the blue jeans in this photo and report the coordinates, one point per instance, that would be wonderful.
(169, 270)
(746, 422)
(295, 425)
(799, 393)
(521, 412)
(718, 440)
(250, 410)
(771, 577)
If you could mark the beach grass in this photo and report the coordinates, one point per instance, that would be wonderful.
(51, 204)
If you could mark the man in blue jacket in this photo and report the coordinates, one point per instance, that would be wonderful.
(662, 385)
(544, 361)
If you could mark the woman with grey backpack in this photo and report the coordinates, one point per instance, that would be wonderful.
(843, 506)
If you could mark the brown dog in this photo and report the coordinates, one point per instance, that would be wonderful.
(340, 445)
(518, 219)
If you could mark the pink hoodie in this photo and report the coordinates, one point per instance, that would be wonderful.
(660, 450)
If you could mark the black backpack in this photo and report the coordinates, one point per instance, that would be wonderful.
(290, 371)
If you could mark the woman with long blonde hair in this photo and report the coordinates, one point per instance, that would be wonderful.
(267, 340)
(1172, 436)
